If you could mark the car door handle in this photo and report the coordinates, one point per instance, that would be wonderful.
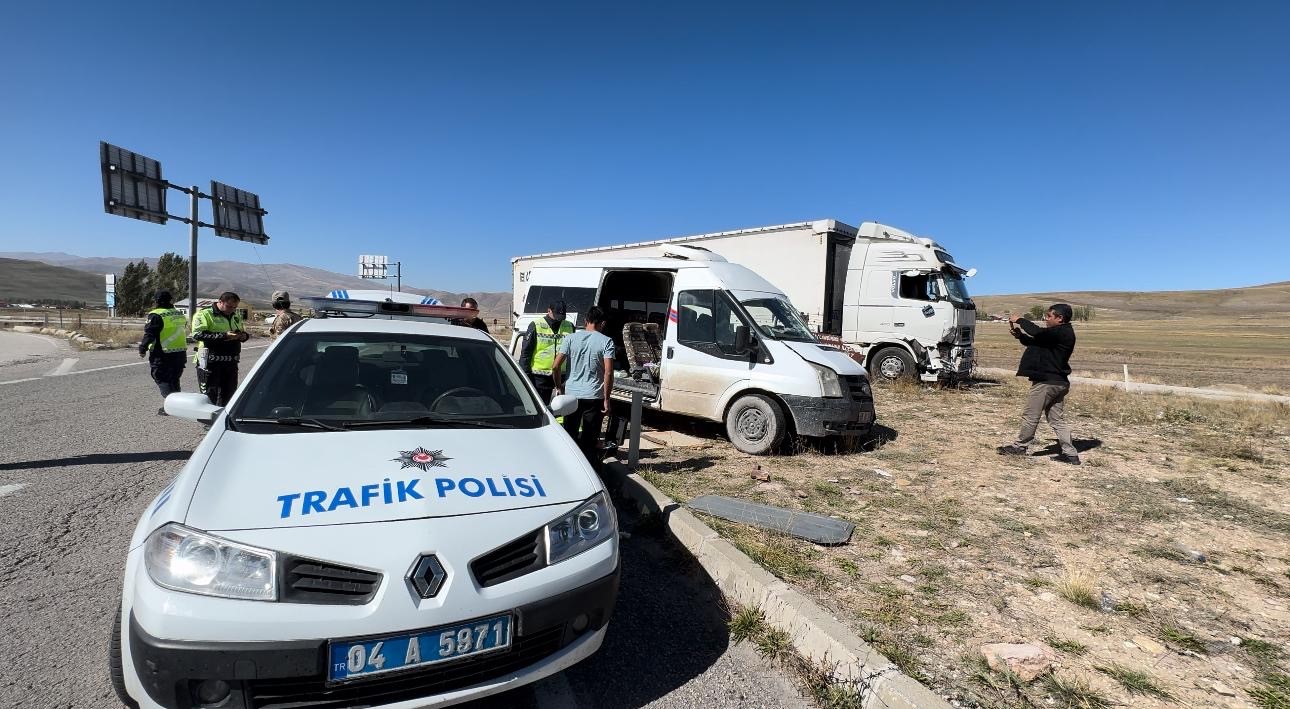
(669, 353)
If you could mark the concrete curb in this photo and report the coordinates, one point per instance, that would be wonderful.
(1143, 387)
(816, 635)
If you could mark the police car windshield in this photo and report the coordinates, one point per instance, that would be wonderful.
(370, 379)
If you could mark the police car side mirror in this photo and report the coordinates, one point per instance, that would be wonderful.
(743, 339)
(561, 405)
(195, 407)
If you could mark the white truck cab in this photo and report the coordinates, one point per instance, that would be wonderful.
(707, 338)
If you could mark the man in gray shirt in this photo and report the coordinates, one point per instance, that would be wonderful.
(590, 355)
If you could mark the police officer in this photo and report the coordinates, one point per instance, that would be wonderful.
(163, 344)
(285, 317)
(537, 355)
(219, 334)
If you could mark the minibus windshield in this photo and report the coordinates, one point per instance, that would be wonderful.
(778, 320)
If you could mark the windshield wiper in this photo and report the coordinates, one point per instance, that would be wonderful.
(430, 422)
(292, 421)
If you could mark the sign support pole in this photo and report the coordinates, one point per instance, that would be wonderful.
(192, 257)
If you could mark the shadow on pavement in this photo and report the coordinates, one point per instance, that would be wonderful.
(98, 459)
(669, 627)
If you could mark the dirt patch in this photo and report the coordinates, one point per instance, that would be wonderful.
(1159, 571)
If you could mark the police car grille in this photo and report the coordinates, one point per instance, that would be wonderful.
(512, 560)
(314, 693)
(311, 581)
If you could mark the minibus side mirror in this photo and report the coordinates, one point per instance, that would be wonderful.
(743, 339)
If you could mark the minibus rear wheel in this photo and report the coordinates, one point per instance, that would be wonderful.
(756, 424)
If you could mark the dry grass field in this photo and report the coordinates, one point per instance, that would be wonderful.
(1235, 338)
(1249, 353)
(1158, 572)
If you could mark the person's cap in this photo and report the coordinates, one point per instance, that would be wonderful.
(557, 308)
(281, 295)
(163, 296)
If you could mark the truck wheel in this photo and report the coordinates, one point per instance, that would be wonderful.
(892, 363)
(755, 424)
(114, 663)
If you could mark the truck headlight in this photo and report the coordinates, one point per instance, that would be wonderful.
(184, 559)
(830, 385)
(592, 523)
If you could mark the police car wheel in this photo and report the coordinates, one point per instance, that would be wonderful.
(114, 663)
(755, 424)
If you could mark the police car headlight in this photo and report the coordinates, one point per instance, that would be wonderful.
(592, 523)
(184, 559)
(830, 384)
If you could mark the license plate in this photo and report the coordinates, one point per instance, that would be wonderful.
(350, 659)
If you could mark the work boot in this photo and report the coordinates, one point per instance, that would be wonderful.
(1069, 459)
(1011, 449)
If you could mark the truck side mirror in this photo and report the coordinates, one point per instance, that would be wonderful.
(743, 339)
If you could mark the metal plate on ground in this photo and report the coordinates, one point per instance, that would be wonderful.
(803, 525)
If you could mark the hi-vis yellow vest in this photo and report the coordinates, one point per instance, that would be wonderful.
(173, 326)
(548, 341)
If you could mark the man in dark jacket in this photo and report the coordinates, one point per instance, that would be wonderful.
(164, 344)
(1046, 362)
(475, 322)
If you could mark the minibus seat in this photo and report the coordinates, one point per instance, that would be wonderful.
(643, 348)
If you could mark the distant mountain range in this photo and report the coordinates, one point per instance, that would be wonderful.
(32, 275)
(1267, 299)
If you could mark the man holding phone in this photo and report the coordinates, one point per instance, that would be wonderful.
(1046, 362)
(219, 333)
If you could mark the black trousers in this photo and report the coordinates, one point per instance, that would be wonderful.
(166, 371)
(588, 418)
(545, 385)
(218, 382)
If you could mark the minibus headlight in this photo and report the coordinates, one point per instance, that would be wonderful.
(830, 384)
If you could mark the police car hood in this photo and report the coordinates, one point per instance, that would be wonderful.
(258, 481)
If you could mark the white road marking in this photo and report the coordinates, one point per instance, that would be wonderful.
(554, 692)
(10, 489)
(63, 368)
(97, 369)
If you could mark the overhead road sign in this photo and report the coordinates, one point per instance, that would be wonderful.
(238, 214)
(132, 185)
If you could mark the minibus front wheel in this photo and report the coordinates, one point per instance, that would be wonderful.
(756, 424)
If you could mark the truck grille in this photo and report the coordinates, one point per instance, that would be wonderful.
(511, 560)
(965, 333)
(312, 581)
(314, 693)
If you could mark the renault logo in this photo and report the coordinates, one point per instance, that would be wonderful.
(427, 575)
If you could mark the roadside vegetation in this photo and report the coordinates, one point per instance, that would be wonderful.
(1156, 574)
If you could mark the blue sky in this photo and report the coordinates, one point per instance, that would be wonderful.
(1087, 146)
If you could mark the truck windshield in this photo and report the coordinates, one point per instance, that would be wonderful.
(956, 289)
(778, 319)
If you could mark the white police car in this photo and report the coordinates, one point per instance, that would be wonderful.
(384, 515)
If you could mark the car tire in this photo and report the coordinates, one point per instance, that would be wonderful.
(756, 424)
(114, 663)
(893, 363)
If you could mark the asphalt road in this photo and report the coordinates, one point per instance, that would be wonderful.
(82, 452)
